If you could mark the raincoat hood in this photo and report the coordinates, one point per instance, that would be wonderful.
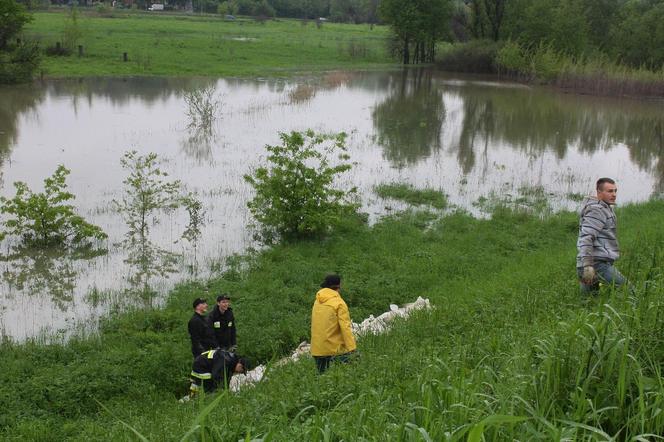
(326, 294)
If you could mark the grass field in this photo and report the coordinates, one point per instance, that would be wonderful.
(191, 45)
(512, 350)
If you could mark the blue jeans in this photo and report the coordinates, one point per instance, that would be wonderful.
(323, 362)
(605, 273)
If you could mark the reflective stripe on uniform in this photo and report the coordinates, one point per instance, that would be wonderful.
(203, 376)
(209, 353)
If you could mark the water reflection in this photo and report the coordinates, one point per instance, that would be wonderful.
(45, 270)
(408, 123)
(16, 102)
(542, 121)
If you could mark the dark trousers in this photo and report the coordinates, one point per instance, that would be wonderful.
(323, 362)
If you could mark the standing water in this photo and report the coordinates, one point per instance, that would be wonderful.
(474, 140)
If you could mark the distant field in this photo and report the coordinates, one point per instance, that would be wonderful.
(165, 44)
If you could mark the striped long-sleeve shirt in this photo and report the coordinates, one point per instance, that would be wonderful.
(597, 233)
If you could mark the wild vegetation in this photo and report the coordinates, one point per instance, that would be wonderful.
(512, 351)
(611, 47)
(18, 59)
(45, 218)
(296, 195)
(149, 193)
(411, 195)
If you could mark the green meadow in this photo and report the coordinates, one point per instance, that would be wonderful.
(511, 351)
(206, 45)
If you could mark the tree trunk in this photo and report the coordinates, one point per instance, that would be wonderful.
(406, 51)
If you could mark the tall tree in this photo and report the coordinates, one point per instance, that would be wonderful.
(417, 25)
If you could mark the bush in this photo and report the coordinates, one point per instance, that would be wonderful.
(18, 65)
(45, 218)
(511, 59)
(477, 56)
(295, 197)
(546, 62)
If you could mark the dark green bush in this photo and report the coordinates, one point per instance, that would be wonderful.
(476, 56)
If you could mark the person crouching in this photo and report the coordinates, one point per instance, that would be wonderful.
(214, 368)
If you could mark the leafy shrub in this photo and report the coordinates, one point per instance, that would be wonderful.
(510, 58)
(477, 57)
(46, 218)
(546, 62)
(295, 197)
(19, 64)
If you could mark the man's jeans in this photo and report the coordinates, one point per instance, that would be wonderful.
(605, 273)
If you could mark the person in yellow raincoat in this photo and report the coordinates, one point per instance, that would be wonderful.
(332, 339)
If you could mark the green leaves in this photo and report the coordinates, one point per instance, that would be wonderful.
(295, 196)
(46, 218)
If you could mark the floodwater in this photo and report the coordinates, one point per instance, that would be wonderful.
(477, 141)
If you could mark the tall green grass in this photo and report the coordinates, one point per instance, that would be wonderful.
(411, 195)
(511, 350)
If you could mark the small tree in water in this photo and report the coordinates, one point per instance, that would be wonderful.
(147, 192)
(295, 196)
(46, 219)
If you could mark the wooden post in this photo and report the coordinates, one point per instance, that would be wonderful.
(58, 46)
(80, 50)
(124, 56)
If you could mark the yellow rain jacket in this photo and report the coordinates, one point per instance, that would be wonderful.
(330, 325)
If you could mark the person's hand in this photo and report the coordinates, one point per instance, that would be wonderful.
(588, 275)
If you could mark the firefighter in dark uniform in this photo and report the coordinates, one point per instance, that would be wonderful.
(214, 368)
(202, 338)
(222, 323)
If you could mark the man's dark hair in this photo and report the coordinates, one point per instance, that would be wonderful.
(245, 364)
(601, 181)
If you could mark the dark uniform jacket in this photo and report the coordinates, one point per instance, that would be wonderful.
(215, 368)
(223, 327)
(202, 338)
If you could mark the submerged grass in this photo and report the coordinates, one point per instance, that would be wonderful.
(409, 194)
(511, 351)
(185, 45)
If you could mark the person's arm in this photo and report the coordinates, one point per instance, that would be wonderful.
(197, 336)
(343, 317)
(233, 337)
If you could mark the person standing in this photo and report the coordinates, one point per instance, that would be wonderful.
(597, 243)
(202, 338)
(332, 339)
(222, 323)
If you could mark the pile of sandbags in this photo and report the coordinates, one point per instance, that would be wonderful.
(373, 325)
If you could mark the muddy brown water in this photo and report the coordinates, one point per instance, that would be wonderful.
(479, 141)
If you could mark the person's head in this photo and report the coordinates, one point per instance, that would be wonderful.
(242, 365)
(607, 190)
(200, 305)
(331, 281)
(223, 302)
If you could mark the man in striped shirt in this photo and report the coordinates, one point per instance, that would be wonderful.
(597, 244)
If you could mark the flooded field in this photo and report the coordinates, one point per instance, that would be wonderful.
(479, 142)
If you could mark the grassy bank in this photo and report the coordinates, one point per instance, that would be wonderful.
(510, 336)
(186, 45)
(545, 65)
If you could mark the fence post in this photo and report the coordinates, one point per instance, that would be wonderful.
(80, 50)
(124, 56)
